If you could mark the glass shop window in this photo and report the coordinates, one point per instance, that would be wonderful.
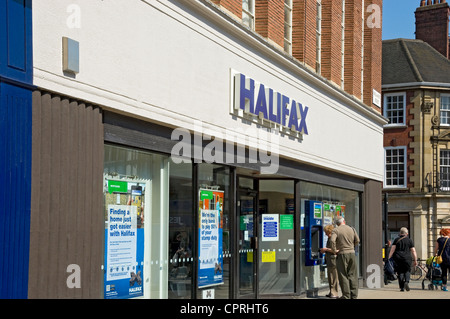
(334, 202)
(181, 227)
(135, 205)
(214, 227)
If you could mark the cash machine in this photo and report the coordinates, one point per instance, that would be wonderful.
(313, 233)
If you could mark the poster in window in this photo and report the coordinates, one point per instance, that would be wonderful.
(124, 239)
(270, 227)
(340, 210)
(210, 234)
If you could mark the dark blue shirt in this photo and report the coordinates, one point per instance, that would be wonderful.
(446, 253)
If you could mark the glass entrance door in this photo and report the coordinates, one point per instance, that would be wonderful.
(247, 244)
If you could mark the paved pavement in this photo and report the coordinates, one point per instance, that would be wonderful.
(391, 291)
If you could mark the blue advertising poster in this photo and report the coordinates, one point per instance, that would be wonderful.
(125, 280)
(124, 240)
(210, 266)
(270, 227)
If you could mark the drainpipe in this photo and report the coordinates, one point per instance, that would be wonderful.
(386, 226)
(423, 140)
(430, 222)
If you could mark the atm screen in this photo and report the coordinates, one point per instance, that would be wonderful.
(315, 240)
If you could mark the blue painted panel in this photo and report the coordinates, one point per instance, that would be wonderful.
(16, 35)
(16, 51)
(16, 66)
(15, 189)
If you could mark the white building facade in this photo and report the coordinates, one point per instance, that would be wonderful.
(169, 105)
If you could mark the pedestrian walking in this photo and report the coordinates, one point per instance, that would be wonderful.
(343, 240)
(403, 252)
(330, 260)
(442, 248)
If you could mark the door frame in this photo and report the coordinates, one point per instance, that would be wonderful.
(251, 193)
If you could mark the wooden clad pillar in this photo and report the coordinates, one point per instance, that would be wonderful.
(371, 236)
(67, 198)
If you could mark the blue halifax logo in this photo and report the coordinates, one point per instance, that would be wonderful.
(253, 98)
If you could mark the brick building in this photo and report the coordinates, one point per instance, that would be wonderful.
(191, 149)
(432, 25)
(335, 39)
(416, 93)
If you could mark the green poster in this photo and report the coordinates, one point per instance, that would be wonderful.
(117, 187)
(206, 194)
(286, 221)
(242, 223)
(318, 211)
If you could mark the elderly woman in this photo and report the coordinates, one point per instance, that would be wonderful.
(330, 260)
(403, 251)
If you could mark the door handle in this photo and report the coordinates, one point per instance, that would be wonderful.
(254, 242)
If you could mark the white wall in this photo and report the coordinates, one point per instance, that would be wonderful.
(154, 60)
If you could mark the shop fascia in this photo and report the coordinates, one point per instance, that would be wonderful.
(273, 112)
(263, 105)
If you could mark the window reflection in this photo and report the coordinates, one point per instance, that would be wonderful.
(276, 267)
(181, 237)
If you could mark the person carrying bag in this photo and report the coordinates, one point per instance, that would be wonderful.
(442, 253)
(403, 252)
(439, 258)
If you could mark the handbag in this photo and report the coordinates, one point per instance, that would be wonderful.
(439, 258)
(389, 267)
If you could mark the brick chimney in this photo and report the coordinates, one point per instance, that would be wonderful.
(432, 24)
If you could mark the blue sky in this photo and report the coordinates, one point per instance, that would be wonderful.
(398, 19)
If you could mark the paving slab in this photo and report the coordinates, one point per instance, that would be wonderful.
(392, 291)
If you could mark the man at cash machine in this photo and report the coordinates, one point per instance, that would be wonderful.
(344, 239)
